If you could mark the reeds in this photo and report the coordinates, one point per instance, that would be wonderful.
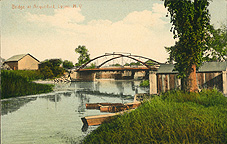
(172, 117)
(19, 83)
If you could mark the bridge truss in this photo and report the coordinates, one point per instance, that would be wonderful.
(108, 57)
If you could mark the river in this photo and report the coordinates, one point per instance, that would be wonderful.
(55, 118)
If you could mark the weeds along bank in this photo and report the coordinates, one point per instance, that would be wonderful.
(173, 117)
(19, 83)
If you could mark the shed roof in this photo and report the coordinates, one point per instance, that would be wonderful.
(19, 57)
(206, 67)
(213, 66)
(166, 68)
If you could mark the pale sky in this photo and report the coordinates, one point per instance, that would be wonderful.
(45, 29)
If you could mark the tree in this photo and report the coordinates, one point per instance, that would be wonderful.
(92, 66)
(51, 68)
(217, 45)
(84, 55)
(67, 64)
(56, 62)
(190, 24)
(47, 72)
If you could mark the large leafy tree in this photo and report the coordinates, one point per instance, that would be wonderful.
(51, 68)
(190, 24)
(84, 55)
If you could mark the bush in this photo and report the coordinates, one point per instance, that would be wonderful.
(17, 83)
(173, 117)
(144, 83)
(28, 74)
(206, 97)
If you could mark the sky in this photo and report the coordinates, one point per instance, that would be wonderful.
(54, 28)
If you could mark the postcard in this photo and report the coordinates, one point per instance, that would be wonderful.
(123, 34)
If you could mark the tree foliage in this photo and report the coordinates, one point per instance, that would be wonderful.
(215, 48)
(217, 45)
(133, 64)
(190, 24)
(84, 55)
(67, 64)
(51, 68)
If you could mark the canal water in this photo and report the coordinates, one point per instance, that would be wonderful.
(55, 118)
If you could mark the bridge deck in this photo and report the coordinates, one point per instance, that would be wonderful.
(118, 69)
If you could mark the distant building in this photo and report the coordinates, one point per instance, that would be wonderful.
(22, 62)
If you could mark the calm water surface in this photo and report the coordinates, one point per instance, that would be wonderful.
(55, 118)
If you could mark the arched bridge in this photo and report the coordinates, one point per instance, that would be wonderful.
(148, 63)
(116, 71)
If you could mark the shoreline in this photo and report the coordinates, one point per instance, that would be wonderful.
(44, 81)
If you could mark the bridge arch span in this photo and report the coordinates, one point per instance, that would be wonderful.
(118, 56)
(123, 56)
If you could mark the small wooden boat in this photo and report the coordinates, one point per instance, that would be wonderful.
(118, 108)
(113, 109)
(96, 120)
(99, 119)
(98, 105)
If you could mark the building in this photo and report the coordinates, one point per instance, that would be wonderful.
(209, 75)
(22, 62)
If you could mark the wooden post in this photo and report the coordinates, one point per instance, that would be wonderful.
(163, 83)
(168, 82)
(153, 82)
(224, 79)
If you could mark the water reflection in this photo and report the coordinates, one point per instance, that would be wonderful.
(12, 105)
(56, 97)
(83, 99)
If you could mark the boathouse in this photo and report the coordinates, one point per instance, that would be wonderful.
(209, 75)
(22, 62)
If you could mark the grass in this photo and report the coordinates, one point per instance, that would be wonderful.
(19, 83)
(144, 83)
(172, 117)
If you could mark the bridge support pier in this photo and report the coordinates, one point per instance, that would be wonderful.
(153, 82)
(83, 76)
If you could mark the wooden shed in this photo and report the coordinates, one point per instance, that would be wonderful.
(209, 75)
(22, 62)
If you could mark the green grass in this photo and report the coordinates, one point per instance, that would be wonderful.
(19, 83)
(172, 117)
(144, 83)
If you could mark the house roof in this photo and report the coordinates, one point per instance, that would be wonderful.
(19, 57)
(206, 67)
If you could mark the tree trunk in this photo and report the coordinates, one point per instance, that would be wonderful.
(190, 83)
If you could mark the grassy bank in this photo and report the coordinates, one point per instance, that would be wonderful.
(173, 117)
(19, 83)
